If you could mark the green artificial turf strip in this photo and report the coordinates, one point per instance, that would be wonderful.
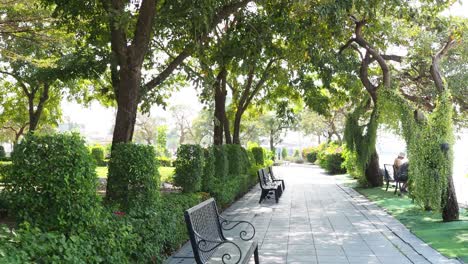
(167, 173)
(450, 239)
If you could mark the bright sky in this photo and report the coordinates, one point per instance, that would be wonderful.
(98, 120)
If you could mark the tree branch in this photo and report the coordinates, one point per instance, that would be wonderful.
(260, 83)
(364, 77)
(359, 39)
(143, 29)
(223, 13)
(419, 100)
(347, 45)
(435, 71)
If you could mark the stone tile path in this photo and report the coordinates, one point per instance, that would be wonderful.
(320, 221)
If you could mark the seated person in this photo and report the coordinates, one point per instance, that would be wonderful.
(400, 167)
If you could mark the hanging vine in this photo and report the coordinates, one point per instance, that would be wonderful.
(429, 144)
(361, 139)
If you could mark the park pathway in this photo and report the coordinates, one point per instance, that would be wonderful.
(318, 220)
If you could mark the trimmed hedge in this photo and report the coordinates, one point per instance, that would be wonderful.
(2, 153)
(134, 179)
(221, 162)
(146, 238)
(258, 155)
(238, 159)
(246, 160)
(53, 182)
(189, 168)
(98, 154)
(233, 152)
(208, 176)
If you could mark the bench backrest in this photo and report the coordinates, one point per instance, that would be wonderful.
(403, 172)
(263, 178)
(270, 170)
(387, 175)
(204, 229)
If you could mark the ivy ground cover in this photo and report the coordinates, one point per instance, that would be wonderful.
(450, 239)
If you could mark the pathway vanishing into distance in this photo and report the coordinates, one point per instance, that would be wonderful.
(317, 220)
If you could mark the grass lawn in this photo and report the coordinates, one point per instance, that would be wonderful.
(450, 239)
(167, 173)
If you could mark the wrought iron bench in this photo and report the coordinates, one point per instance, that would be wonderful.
(398, 178)
(206, 230)
(274, 179)
(268, 186)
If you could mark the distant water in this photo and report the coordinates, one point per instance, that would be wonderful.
(389, 145)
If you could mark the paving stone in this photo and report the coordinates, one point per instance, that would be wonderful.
(317, 220)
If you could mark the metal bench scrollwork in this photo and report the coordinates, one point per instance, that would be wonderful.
(206, 230)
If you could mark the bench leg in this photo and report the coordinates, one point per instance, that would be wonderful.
(387, 185)
(396, 187)
(256, 256)
(263, 195)
(277, 195)
(282, 183)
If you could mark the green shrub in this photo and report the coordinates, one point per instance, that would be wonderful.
(208, 176)
(53, 182)
(311, 156)
(330, 158)
(333, 164)
(258, 155)
(162, 230)
(225, 191)
(164, 162)
(189, 168)
(146, 237)
(221, 162)
(299, 160)
(5, 170)
(284, 153)
(133, 180)
(110, 240)
(98, 154)
(2, 153)
(234, 155)
(350, 163)
(296, 153)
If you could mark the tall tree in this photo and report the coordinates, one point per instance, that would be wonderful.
(39, 60)
(130, 27)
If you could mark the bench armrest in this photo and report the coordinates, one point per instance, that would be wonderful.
(227, 225)
(207, 245)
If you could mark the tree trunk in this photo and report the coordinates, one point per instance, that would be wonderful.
(450, 212)
(272, 143)
(372, 172)
(237, 122)
(35, 114)
(227, 130)
(127, 104)
(182, 135)
(220, 108)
